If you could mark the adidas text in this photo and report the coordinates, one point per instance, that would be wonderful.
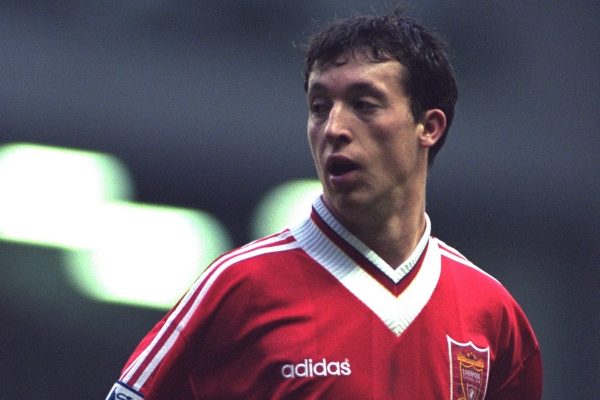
(322, 368)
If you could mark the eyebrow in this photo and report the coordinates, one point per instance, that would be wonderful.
(357, 87)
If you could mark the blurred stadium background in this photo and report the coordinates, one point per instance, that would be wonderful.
(138, 139)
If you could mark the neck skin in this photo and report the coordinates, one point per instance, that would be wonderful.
(392, 233)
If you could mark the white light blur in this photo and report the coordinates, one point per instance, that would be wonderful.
(285, 206)
(115, 250)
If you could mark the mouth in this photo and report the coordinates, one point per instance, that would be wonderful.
(337, 166)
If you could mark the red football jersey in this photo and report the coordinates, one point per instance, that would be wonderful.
(313, 313)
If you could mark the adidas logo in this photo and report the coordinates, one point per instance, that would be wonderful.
(322, 368)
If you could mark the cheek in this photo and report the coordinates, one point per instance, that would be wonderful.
(391, 148)
(314, 146)
(396, 137)
(313, 138)
(383, 142)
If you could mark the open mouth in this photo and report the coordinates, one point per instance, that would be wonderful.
(337, 166)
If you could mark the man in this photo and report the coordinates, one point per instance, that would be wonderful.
(359, 301)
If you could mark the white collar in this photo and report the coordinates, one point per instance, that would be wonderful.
(396, 311)
(395, 274)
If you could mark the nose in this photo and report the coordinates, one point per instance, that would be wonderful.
(337, 128)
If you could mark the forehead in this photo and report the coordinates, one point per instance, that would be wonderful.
(356, 69)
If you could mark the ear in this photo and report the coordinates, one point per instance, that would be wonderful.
(434, 125)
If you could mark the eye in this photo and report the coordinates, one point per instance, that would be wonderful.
(319, 107)
(365, 106)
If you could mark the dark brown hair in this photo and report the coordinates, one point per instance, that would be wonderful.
(429, 82)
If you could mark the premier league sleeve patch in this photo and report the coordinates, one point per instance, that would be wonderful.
(121, 391)
(469, 370)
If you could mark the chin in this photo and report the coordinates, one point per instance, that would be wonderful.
(346, 202)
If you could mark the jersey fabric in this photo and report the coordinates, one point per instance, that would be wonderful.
(313, 313)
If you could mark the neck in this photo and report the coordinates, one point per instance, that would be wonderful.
(392, 233)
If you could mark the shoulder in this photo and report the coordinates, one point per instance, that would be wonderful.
(228, 283)
(468, 277)
(245, 265)
(481, 296)
(254, 254)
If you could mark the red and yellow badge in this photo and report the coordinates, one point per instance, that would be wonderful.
(469, 370)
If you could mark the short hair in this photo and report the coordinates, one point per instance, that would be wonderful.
(429, 81)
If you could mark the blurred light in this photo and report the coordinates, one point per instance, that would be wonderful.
(146, 255)
(49, 195)
(117, 251)
(285, 206)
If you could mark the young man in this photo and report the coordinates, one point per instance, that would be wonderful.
(359, 301)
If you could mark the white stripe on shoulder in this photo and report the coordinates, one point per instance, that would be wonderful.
(276, 237)
(262, 242)
(453, 254)
(197, 292)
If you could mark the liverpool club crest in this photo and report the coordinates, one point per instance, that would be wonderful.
(469, 370)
